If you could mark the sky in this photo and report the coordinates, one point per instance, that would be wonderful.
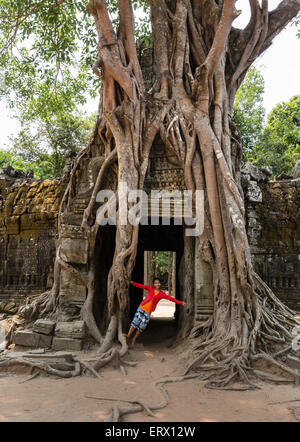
(280, 66)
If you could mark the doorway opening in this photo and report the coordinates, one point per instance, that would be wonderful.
(165, 242)
(160, 249)
(162, 265)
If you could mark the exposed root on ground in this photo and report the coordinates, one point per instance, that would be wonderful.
(50, 368)
(267, 337)
(117, 412)
(108, 351)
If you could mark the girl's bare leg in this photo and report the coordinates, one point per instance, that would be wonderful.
(131, 330)
(135, 337)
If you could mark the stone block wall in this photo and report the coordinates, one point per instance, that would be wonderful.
(273, 228)
(28, 228)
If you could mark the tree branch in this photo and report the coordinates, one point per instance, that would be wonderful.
(180, 23)
(20, 19)
(159, 22)
(254, 37)
(229, 14)
(248, 44)
(278, 19)
(128, 33)
(112, 61)
(204, 73)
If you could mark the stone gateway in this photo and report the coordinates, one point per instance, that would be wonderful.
(28, 229)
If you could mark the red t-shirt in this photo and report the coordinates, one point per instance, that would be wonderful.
(152, 297)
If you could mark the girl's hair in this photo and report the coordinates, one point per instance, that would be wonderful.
(156, 279)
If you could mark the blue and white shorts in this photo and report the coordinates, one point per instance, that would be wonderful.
(140, 320)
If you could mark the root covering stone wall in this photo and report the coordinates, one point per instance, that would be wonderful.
(28, 229)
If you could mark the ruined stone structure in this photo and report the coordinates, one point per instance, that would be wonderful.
(273, 227)
(28, 228)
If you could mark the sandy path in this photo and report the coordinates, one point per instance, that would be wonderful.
(50, 399)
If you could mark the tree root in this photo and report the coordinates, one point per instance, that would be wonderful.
(117, 413)
(88, 367)
(74, 366)
(266, 377)
(35, 375)
(284, 402)
(46, 302)
(267, 337)
(44, 367)
(107, 351)
(236, 368)
(143, 406)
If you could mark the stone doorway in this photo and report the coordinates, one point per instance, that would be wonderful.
(167, 238)
(155, 238)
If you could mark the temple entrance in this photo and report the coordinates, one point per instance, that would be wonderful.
(154, 239)
(166, 240)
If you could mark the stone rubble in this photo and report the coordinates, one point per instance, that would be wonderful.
(73, 330)
(67, 335)
(44, 326)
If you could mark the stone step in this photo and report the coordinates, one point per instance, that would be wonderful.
(73, 330)
(44, 326)
(28, 338)
(66, 344)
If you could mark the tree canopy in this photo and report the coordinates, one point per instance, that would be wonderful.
(279, 144)
(248, 111)
(42, 147)
(46, 53)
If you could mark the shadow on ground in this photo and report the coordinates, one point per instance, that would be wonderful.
(160, 331)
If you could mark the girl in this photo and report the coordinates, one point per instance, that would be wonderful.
(147, 306)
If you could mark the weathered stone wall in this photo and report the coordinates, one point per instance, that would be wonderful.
(273, 227)
(28, 227)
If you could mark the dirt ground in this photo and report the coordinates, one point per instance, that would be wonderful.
(46, 398)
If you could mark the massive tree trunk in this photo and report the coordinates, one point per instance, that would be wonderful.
(200, 61)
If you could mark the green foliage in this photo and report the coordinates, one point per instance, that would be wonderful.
(43, 148)
(40, 46)
(279, 144)
(276, 143)
(248, 111)
(41, 169)
(296, 23)
(161, 262)
(46, 52)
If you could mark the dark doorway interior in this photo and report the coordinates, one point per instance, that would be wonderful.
(157, 238)
(104, 253)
